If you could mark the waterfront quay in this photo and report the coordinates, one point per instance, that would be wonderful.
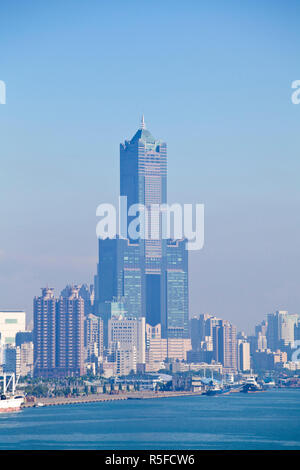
(103, 397)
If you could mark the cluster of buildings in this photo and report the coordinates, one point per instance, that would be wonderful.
(68, 339)
(16, 344)
(273, 346)
(276, 342)
(135, 318)
(137, 314)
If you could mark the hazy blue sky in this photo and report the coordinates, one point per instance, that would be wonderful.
(213, 79)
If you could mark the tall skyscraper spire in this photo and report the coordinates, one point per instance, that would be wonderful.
(148, 276)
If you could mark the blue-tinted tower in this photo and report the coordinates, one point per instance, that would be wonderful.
(151, 275)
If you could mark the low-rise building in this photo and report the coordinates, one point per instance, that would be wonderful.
(11, 322)
(269, 360)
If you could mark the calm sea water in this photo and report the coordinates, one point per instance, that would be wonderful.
(269, 420)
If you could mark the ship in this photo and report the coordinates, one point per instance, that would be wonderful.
(251, 386)
(269, 384)
(10, 402)
(216, 390)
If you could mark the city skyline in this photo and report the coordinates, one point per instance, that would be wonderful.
(219, 94)
(71, 339)
(149, 229)
(191, 313)
(139, 192)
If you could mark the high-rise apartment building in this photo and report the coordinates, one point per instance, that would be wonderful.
(44, 333)
(93, 336)
(70, 335)
(225, 345)
(85, 291)
(58, 334)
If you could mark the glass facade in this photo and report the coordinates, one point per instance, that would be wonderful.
(151, 275)
(177, 306)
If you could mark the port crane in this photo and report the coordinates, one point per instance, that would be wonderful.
(9, 378)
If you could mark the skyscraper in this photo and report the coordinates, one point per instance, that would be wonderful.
(143, 180)
(150, 273)
(175, 322)
(281, 329)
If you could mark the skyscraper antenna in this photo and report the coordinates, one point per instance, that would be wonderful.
(143, 125)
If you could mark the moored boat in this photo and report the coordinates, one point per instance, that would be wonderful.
(9, 400)
(251, 386)
(216, 390)
(9, 404)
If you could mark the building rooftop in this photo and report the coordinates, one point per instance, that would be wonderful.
(8, 310)
(144, 135)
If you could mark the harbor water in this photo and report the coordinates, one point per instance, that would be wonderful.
(267, 420)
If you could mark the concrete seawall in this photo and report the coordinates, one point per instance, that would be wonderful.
(107, 397)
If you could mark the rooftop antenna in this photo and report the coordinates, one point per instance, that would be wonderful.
(143, 125)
